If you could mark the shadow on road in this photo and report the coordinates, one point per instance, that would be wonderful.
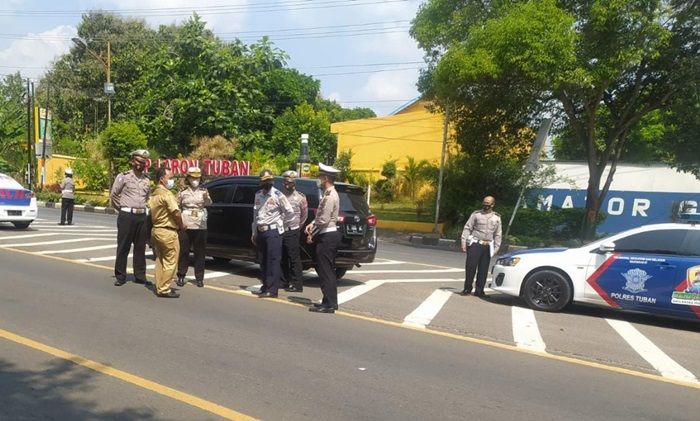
(53, 392)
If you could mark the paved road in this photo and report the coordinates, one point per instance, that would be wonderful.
(272, 360)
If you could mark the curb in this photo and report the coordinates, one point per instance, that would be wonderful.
(83, 208)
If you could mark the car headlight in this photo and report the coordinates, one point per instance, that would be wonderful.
(508, 261)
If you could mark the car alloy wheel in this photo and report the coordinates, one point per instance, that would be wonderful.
(547, 290)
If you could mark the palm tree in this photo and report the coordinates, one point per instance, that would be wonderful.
(413, 174)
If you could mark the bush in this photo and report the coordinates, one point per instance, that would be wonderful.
(95, 175)
(119, 140)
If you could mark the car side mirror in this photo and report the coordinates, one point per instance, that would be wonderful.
(606, 248)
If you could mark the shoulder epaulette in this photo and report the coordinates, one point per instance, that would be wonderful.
(497, 214)
(278, 193)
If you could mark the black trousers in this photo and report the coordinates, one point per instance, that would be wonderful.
(197, 241)
(67, 206)
(131, 229)
(270, 249)
(478, 257)
(291, 259)
(326, 250)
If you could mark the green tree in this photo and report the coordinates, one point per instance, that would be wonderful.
(413, 174)
(343, 163)
(304, 119)
(13, 124)
(118, 141)
(601, 66)
(337, 113)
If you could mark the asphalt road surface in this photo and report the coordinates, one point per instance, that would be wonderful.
(404, 346)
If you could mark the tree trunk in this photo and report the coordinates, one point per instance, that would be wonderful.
(593, 203)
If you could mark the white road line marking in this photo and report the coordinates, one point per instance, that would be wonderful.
(68, 227)
(150, 267)
(14, 237)
(78, 250)
(355, 292)
(108, 258)
(70, 232)
(212, 275)
(410, 271)
(420, 280)
(44, 243)
(428, 309)
(385, 262)
(526, 333)
(651, 353)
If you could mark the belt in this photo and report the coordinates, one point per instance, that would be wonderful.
(484, 242)
(166, 228)
(291, 228)
(329, 229)
(135, 211)
(263, 228)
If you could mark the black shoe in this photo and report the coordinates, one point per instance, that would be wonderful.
(61, 223)
(200, 283)
(119, 282)
(294, 289)
(171, 294)
(464, 292)
(180, 281)
(322, 309)
(258, 292)
(140, 281)
(319, 305)
(267, 295)
(481, 295)
(70, 223)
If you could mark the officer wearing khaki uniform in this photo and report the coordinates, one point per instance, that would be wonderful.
(481, 239)
(269, 211)
(193, 201)
(324, 232)
(167, 221)
(67, 198)
(129, 195)
(293, 222)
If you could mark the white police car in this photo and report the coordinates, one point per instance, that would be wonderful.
(17, 204)
(652, 269)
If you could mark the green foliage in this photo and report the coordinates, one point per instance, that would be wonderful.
(389, 169)
(95, 174)
(344, 163)
(413, 174)
(119, 140)
(601, 66)
(13, 124)
(260, 160)
(337, 113)
(304, 119)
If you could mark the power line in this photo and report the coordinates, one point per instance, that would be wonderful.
(367, 71)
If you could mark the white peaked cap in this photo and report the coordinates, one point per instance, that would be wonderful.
(327, 169)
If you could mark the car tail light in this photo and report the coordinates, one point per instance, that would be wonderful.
(29, 194)
(372, 220)
(341, 218)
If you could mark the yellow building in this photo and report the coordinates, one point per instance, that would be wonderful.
(410, 131)
(55, 166)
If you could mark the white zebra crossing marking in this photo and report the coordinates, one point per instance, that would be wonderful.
(17, 237)
(428, 309)
(422, 271)
(45, 243)
(651, 353)
(356, 291)
(78, 250)
(526, 333)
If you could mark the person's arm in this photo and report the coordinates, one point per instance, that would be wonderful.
(467, 231)
(116, 191)
(174, 211)
(254, 225)
(497, 238)
(206, 197)
(304, 209)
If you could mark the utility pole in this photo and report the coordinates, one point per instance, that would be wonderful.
(108, 88)
(442, 168)
(46, 129)
(30, 146)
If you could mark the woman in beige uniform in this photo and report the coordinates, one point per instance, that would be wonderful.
(193, 201)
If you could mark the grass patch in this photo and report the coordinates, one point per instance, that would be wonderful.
(401, 211)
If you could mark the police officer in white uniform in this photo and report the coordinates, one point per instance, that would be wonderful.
(481, 239)
(129, 195)
(193, 201)
(67, 198)
(293, 223)
(270, 208)
(324, 233)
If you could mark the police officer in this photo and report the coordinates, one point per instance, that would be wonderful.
(324, 232)
(167, 221)
(269, 211)
(291, 258)
(481, 239)
(193, 201)
(67, 198)
(129, 196)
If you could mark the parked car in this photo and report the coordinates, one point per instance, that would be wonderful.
(231, 215)
(652, 269)
(17, 204)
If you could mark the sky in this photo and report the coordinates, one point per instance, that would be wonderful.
(360, 50)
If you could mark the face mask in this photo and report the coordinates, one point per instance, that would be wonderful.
(486, 207)
(170, 184)
(138, 166)
(267, 186)
(194, 183)
(289, 186)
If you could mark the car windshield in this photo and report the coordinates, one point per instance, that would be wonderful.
(352, 199)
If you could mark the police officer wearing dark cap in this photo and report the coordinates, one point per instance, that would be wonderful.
(291, 253)
(269, 211)
(129, 195)
(324, 233)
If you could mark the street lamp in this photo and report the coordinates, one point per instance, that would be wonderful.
(108, 87)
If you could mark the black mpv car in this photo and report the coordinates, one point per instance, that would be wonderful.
(231, 216)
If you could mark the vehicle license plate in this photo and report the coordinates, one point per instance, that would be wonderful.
(354, 229)
(14, 213)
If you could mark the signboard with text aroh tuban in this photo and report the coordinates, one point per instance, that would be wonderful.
(209, 167)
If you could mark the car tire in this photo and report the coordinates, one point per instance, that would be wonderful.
(547, 290)
(21, 225)
(221, 260)
(340, 272)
